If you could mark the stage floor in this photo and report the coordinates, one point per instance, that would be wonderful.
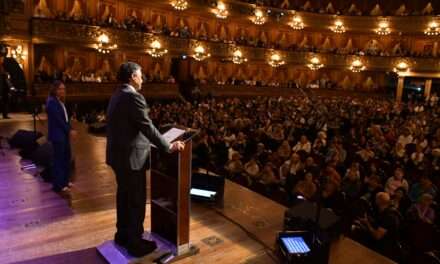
(39, 226)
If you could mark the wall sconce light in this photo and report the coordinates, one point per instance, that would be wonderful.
(315, 63)
(199, 53)
(179, 4)
(259, 17)
(401, 66)
(104, 46)
(275, 59)
(237, 56)
(384, 28)
(156, 50)
(357, 65)
(432, 29)
(221, 11)
(296, 23)
(338, 27)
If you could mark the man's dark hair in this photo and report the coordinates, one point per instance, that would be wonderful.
(54, 87)
(126, 70)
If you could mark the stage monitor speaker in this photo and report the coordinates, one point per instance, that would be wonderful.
(207, 186)
(26, 141)
(43, 155)
(302, 217)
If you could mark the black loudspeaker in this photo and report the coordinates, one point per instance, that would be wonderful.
(43, 155)
(302, 217)
(26, 141)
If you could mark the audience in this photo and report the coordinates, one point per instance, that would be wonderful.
(375, 153)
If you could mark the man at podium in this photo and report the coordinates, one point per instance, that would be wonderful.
(129, 134)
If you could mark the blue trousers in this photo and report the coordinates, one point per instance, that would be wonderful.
(61, 164)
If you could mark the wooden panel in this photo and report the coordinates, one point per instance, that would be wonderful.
(184, 198)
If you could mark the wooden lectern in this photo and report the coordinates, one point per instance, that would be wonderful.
(170, 194)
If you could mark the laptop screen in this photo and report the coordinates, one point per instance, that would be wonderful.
(295, 245)
(202, 193)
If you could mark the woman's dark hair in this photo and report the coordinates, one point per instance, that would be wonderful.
(54, 87)
(126, 70)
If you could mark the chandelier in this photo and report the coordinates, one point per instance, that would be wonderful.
(401, 66)
(156, 50)
(383, 28)
(104, 45)
(259, 18)
(237, 57)
(275, 60)
(357, 65)
(296, 23)
(432, 29)
(199, 53)
(19, 55)
(221, 11)
(179, 4)
(338, 27)
(315, 63)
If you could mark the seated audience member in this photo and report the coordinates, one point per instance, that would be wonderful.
(284, 150)
(268, 175)
(400, 201)
(382, 229)
(351, 184)
(321, 139)
(306, 188)
(422, 210)
(311, 167)
(396, 181)
(234, 167)
(290, 171)
(252, 171)
(331, 197)
(424, 186)
(303, 145)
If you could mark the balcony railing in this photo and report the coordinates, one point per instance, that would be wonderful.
(53, 31)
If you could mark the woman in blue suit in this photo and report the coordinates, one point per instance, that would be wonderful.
(59, 131)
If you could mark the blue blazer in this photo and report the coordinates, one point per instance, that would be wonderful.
(58, 127)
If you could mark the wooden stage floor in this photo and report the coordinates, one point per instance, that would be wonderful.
(39, 226)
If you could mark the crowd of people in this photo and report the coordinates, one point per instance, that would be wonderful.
(346, 8)
(374, 162)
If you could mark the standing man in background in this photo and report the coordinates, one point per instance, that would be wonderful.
(59, 132)
(129, 133)
(5, 84)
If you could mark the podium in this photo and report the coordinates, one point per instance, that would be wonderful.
(170, 205)
(170, 194)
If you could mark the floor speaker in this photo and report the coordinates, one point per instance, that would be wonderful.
(26, 141)
(43, 155)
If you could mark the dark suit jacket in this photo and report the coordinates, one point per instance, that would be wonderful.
(130, 130)
(58, 127)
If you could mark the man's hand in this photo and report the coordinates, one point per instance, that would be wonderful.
(177, 146)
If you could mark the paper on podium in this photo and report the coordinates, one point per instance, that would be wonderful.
(172, 134)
